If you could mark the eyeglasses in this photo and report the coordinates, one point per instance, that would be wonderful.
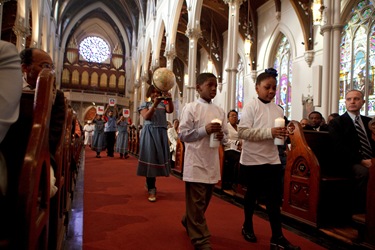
(47, 66)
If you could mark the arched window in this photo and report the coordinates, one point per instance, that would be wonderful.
(283, 65)
(357, 56)
(94, 49)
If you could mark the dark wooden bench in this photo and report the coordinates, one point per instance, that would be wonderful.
(315, 190)
(179, 161)
(25, 211)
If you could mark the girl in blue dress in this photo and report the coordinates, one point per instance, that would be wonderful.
(98, 144)
(154, 147)
(122, 137)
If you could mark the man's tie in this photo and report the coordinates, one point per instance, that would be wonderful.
(365, 146)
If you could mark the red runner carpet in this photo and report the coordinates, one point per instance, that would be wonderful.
(117, 214)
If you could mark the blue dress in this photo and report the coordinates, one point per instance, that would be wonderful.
(154, 148)
(122, 137)
(98, 143)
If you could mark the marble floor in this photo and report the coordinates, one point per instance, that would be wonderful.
(73, 237)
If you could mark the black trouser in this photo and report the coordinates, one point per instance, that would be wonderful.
(230, 168)
(263, 180)
(110, 138)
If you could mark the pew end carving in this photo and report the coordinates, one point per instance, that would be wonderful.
(314, 188)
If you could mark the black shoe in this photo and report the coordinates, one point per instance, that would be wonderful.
(249, 235)
(282, 243)
(184, 224)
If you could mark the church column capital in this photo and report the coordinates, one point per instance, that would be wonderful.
(239, 2)
(193, 33)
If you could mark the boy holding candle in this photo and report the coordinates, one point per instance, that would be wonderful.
(201, 163)
(260, 163)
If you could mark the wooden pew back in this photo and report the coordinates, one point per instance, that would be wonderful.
(26, 151)
(314, 189)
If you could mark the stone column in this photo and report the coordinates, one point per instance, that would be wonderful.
(326, 31)
(144, 87)
(170, 54)
(337, 28)
(193, 34)
(135, 105)
(232, 60)
(22, 31)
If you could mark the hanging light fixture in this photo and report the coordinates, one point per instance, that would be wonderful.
(210, 63)
(317, 11)
(248, 41)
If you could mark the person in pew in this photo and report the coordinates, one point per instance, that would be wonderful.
(316, 122)
(304, 122)
(260, 167)
(98, 143)
(232, 153)
(173, 136)
(154, 148)
(10, 94)
(332, 116)
(122, 137)
(33, 60)
(353, 146)
(201, 163)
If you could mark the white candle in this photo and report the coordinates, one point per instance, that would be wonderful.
(279, 122)
(214, 143)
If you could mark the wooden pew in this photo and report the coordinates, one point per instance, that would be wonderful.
(24, 225)
(315, 191)
(179, 161)
(58, 203)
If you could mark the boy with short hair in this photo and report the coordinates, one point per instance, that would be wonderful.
(201, 163)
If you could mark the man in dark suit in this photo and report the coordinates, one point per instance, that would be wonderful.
(349, 151)
(316, 122)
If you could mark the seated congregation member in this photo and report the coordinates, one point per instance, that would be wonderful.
(353, 146)
(33, 60)
(10, 94)
(316, 122)
(232, 153)
(332, 116)
(173, 136)
(304, 122)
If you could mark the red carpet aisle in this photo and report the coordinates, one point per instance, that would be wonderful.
(117, 214)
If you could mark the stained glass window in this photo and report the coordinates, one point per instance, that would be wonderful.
(357, 56)
(94, 49)
(239, 86)
(283, 65)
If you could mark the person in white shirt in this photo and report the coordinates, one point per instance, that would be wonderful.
(88, 129)
(260, 167)
(173, 137)
(232, 153)
(10, 94)
(201, 163)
